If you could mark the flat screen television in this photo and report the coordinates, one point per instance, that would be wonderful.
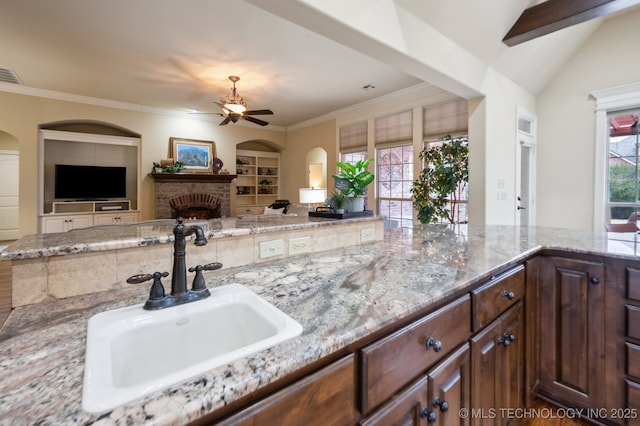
(90, 182)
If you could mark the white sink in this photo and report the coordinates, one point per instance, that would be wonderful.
(132, 352)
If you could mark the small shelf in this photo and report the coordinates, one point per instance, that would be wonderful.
(252, 168)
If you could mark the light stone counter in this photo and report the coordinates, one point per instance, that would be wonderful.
(339, 297)
(101, 258)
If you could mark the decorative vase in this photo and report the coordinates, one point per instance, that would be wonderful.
(339, 211)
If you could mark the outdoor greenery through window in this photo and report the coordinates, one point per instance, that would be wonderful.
(623, 170)
(395, 176)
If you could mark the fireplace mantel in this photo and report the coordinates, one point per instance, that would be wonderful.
(192, 177)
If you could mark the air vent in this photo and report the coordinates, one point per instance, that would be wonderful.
(8, 76)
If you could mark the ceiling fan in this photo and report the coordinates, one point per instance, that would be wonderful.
(234, 107)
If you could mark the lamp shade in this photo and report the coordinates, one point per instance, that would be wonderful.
(312, 195)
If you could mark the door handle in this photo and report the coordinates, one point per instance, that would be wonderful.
(521, 208)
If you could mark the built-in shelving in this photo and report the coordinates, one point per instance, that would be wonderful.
(257, 181)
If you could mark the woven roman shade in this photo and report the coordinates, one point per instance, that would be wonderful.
(353, 137)
(449, 118)
(394, 128)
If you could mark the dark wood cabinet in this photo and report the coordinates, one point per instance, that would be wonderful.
(571, 331)
(497, 368)
(326, 397)
(435, 398)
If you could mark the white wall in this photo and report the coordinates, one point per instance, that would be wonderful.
(566, 121)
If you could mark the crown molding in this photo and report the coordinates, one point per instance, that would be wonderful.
(107, 103)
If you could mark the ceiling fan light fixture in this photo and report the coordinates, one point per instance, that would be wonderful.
(233, 102)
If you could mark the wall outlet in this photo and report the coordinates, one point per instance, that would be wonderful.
(271, 248)
(367, 235)
(300, 245)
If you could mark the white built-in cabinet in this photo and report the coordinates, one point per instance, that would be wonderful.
(257, 181)
(62, 147)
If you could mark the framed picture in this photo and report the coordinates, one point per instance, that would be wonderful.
(196, 155)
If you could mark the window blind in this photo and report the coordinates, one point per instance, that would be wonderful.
(353, 137)
(394, 128)
(449, 118)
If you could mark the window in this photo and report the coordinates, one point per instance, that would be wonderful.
(623, 200)
(395, 177)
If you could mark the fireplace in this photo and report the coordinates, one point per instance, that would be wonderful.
(192, 195)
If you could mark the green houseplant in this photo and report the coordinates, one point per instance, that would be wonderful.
(357, 178)
(337, 200)
(443, 181)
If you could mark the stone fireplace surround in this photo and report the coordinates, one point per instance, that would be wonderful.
(169, 186)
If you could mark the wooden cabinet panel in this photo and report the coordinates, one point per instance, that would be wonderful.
(326, 397)
(633, 284)
(391, 363)
(449, 387)
(496, 296)
(497, 367)
(633, 321)
(408, 408)
(633, 402)
(571, 330)
(633, 360)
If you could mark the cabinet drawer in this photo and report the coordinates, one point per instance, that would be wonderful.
(633, 322)
(633, 397)
(391, 363)
(496, 296)
(326, 397)
(633, 360)
(633, 284)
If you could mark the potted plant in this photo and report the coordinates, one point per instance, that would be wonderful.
(357, 178)
(263, 186)
(337, 200)
(157, 168)
(443, 181)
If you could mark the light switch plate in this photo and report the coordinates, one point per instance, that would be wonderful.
(271, 248)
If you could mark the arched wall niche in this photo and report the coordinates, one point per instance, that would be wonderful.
(317, 168)
(90, 127)
(8, 142)
(258, 145)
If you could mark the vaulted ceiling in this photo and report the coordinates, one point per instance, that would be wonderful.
(177, 55)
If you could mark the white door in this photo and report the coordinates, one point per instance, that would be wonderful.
(8, 195)
(525, 170)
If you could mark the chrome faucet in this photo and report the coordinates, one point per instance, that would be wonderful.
(179, 292)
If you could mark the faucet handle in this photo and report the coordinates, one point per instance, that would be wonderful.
(157, 289)
(198, 281)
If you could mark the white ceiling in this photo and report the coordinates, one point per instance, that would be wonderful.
(177, 55)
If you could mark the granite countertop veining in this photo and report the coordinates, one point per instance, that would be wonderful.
(339, 297)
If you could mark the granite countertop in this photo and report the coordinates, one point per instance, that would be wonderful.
(140, 234)
(339, 297)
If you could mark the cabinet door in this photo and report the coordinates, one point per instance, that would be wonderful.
(497, 368)
(326, 397)
(80, 221)
(511, 342)
(449, 388)
(55, 224)
(408, 408)
(571, 330)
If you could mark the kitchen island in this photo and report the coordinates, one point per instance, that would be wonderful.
(341, 297)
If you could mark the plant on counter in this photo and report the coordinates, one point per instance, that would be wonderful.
(337, 200)
(443, 181)
(356, 175)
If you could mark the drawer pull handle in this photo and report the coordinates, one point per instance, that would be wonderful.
(444, 405)
(506, 339)
(508, 295)
(595, 279)
(431, 416)
(434, 344)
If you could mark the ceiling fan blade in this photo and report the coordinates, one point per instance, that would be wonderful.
(259, 112)
(225, 121)
(255, 120)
